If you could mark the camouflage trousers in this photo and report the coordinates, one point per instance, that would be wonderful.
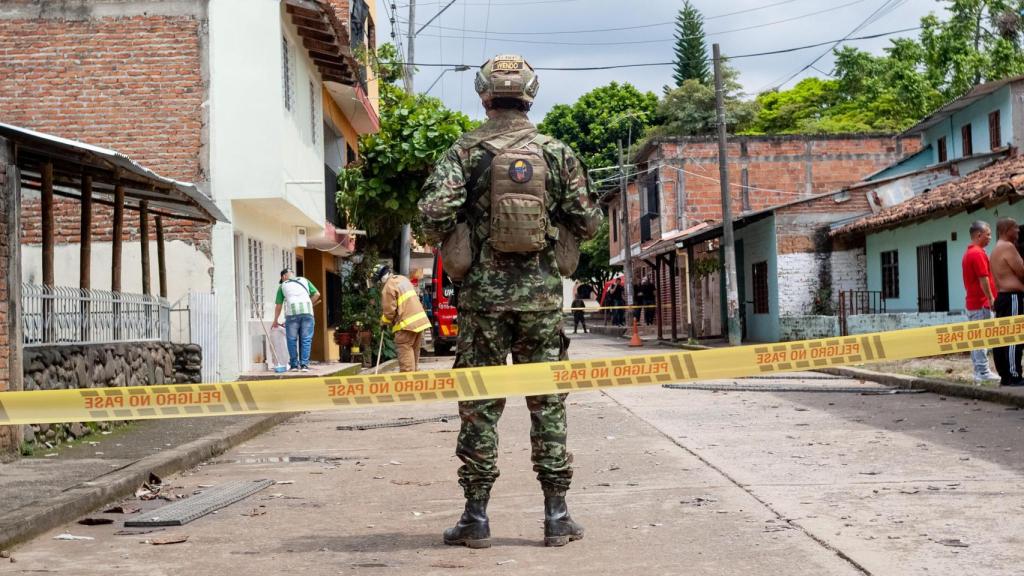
(485, 339)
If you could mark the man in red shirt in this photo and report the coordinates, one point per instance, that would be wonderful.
(981, 291)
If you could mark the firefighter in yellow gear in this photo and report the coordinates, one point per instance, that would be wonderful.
(401, 309)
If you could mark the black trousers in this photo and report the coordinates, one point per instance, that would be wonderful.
(1007, 358)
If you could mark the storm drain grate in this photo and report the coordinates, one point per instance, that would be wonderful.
(185, 511)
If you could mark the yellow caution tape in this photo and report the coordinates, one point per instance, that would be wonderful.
(302, 394)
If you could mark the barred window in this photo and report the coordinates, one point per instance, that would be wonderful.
(256, 277)
(286, 74)
(995, 137)
(891, 274)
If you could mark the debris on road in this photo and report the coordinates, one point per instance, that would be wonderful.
(66, 536)
(503, 562)
(95, 521)
(952, 542)
(122, 509)
(170, 539)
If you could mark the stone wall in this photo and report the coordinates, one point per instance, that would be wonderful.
(864, 323)
(103, 366)
(807, 327)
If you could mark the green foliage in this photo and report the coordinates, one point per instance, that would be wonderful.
(706, 266)
(691, 48)
(594, 258)
(595, 123)
(980, 42)
(379, 192)
(689, 110)
(360, 304)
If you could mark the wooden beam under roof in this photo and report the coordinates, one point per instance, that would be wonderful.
(340, 67)
(313, 24)
(316, 34)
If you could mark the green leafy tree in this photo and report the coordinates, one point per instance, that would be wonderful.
(981, 41)
(689, 110)
(595, 123)
(691, 47)
(379, 192)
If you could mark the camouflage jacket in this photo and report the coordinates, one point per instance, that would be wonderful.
(497, 281)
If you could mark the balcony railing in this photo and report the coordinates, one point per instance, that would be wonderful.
(63, 315)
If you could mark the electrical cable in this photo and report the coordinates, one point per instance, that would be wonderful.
(655, 25)
(650, 64)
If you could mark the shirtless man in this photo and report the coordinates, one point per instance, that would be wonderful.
(1008, 271)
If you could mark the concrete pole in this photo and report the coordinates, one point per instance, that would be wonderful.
(627, 264)
(731, 294)
(405, 245)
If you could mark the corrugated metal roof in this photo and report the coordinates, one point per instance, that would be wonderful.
(166, 195)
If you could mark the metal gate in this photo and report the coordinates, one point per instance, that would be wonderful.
(202, 307)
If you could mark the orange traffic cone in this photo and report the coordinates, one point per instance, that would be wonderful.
(635, 341)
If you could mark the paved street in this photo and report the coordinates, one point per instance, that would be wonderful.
(667, 482)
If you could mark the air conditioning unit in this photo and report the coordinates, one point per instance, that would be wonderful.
(300, 236)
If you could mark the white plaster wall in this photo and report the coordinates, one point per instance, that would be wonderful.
(798, 282)
(849, 271)
(187, 267)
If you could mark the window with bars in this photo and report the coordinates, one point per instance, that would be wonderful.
(314, 116)
(287, 260)
(995, 137)
(256, 277)
(968, 140)
(890, 274)
(941, 146)
(760, 273)
(286, 74)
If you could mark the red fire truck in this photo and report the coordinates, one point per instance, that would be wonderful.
(443, 316)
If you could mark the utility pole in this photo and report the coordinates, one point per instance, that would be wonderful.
(627, 264)
(405, 246)
(732, 300)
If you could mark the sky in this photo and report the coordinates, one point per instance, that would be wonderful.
(575, 33)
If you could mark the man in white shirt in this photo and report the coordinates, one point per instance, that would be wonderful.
(297, 296)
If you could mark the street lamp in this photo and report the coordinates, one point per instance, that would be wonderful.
(459, 68)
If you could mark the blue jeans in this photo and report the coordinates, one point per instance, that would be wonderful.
(980, 357)
(299, 329)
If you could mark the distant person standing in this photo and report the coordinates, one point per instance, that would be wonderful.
(296, 296)
(981, 291)
(1008, 271)
(648, 298)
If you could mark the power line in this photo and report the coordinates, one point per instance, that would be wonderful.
(487, 24)
(883, 10)
(654, 25)
(650, 64)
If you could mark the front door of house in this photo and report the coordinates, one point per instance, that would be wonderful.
(932, 278)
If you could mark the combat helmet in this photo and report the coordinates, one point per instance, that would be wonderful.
(507, 76)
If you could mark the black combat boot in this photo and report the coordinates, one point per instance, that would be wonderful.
(559, 528)
(473, 529)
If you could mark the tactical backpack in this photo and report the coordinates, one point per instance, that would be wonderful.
(519, 213)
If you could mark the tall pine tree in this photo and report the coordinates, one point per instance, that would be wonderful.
(691, 48)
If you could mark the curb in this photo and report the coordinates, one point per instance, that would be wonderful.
(41, 516)
(942, 387)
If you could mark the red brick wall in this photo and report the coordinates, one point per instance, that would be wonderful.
(133, 84)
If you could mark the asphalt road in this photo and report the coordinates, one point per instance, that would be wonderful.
(667, 482)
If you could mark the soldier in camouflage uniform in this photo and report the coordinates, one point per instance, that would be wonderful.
(509, 302)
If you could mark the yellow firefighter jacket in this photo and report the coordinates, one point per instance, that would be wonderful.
(401, 306)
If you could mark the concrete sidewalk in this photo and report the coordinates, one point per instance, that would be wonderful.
(58, 485)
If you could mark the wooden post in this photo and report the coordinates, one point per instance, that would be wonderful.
(118, 233)
(10, 278)
(673, 262)
(657, 296)
(49, 326)
(115, 256)
(144, 239)
(691, 297)
(85, 252)
(161, 260)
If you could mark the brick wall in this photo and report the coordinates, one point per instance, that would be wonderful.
(775, 169)
(133, 84)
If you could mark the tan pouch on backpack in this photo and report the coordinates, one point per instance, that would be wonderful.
(567, 251)
(457, 252)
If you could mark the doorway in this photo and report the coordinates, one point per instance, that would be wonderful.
(932, 278)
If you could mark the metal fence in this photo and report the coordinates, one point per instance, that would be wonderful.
(853, 302)
(62, 315)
